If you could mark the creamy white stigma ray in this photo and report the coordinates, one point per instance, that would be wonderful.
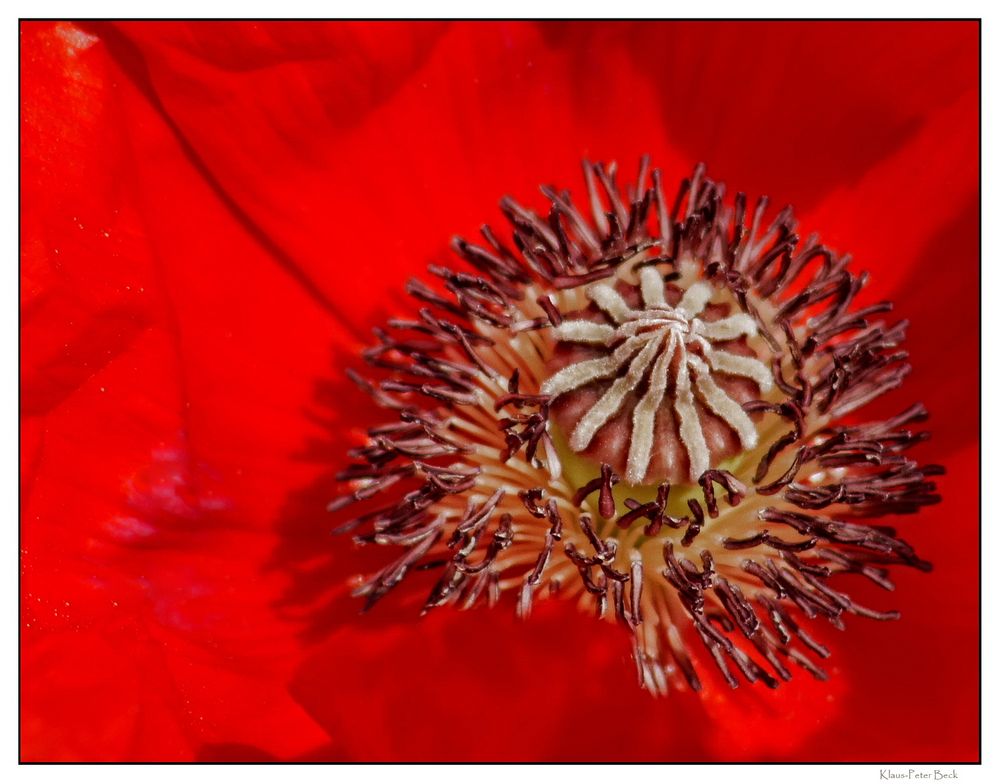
(653, 341)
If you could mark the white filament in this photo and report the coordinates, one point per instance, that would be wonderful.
(644, 416)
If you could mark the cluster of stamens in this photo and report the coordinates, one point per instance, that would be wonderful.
(640, 409)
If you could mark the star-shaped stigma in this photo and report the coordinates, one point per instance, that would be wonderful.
(656, 342)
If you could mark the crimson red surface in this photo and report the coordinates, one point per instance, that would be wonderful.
(215, 215)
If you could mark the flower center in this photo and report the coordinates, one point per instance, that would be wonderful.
(648, 417)
(651, 379)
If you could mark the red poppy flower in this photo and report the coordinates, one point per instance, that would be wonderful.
(216, 215)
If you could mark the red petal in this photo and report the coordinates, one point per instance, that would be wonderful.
(362, 193)
(888, 217)
(913, 221)
(149, 497)
(794, 109)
